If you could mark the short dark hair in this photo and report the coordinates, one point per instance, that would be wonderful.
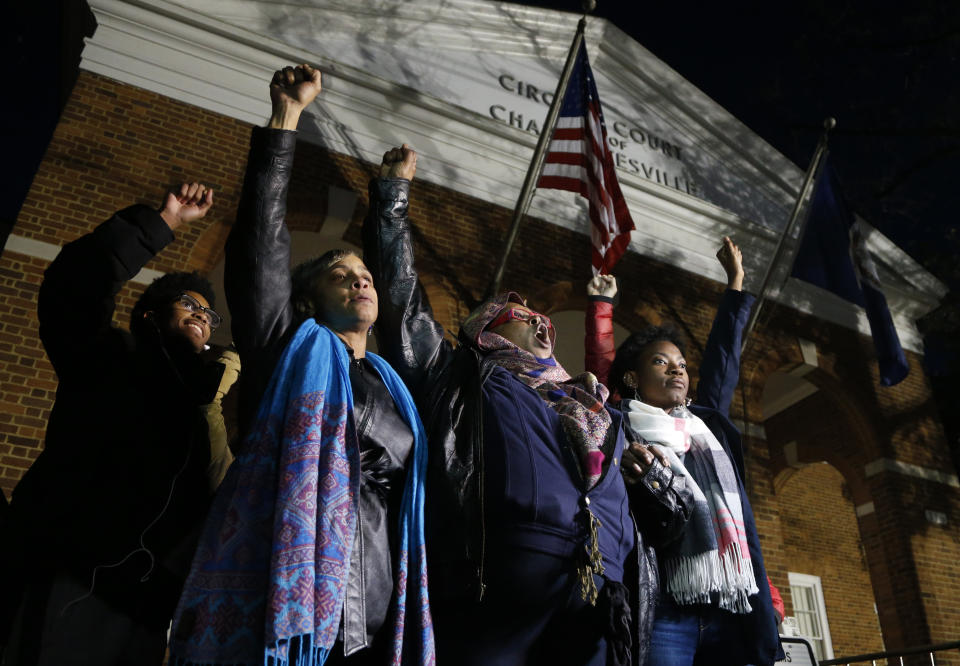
(164, 291)
(632, 347)
(304, 276)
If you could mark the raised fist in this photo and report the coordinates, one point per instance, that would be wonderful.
(399, 163)
(291, 91)
(731, 259)
(602, 285)
(191, 202)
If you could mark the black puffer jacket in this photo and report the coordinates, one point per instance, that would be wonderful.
(126, 452)
(447, 383)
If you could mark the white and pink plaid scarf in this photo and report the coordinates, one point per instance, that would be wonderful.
(711, 562)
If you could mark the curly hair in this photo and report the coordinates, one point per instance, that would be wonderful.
(303, 280)
(633, 346)
(165, 290)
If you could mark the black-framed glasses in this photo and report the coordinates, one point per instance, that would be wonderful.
(190, 304)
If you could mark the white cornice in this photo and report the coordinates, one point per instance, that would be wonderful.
(30, 247)
(219, 55)
(909, 469)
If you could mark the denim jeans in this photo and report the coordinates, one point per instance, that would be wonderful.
(695, 635)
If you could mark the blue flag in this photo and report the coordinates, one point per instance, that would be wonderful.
(833, 255)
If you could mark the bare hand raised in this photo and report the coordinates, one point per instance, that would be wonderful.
(399, 163)
(191, 202)
(602, 285)
(731, 259)
(292, 89)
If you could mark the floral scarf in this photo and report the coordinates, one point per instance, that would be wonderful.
(579, 401)
(268, 580)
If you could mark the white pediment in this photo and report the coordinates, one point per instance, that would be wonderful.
(463, 81)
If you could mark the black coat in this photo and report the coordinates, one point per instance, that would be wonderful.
(126, 450)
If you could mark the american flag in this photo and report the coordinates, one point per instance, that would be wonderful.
(579, 160)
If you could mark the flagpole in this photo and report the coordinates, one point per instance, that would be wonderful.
(815, 161)
(536, 165)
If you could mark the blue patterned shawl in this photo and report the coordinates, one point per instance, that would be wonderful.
(268, 579)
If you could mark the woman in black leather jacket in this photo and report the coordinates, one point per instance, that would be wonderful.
(482, 603)
(268, 305)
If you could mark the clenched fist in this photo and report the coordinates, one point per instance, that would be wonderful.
(291, 91)
(399, 163)
(191, 202)
(731, 259)
(602, 285)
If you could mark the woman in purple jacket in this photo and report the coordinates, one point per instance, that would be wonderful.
(715, 605)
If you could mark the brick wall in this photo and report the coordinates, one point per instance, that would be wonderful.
(27, 382)
(832, 551)
(117, 145)
(912, 563)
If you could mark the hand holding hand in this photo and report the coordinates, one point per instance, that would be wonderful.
(637, 459)
(399, 163)
(292, 89)
(731, 259)
(191, 202)
(602, 285)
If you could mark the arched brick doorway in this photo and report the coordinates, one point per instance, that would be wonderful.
(837, 507)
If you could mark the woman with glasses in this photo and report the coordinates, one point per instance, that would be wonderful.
(715, 600)
(104, 522)
(313, 552)
(532, 543)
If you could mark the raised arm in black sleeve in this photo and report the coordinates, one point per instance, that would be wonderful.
(76, 300)
(257, 268)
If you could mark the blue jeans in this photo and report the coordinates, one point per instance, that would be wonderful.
(695, 635)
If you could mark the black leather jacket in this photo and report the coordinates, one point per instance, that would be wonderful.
(446, 382)
(258, 288)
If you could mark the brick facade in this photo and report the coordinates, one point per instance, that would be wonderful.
(805, 496)
(116, 145)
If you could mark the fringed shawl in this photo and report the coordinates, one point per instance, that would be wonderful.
(268, 578)
(710, 563)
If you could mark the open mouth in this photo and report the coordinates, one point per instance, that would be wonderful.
(543, 335)
(196, 326)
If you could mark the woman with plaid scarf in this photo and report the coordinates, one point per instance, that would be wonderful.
(715, 606)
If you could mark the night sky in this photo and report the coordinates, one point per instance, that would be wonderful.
(888, 73)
